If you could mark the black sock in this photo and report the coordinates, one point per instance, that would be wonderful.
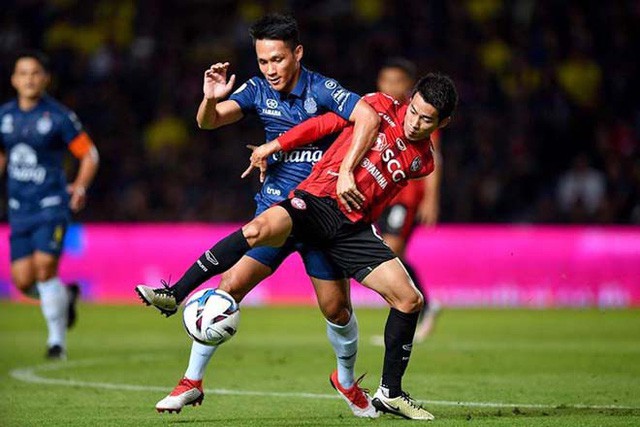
(418, 283)
(398, 341)
(221, 257)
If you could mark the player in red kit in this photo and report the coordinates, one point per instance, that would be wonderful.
(334, 208)
(418, 202)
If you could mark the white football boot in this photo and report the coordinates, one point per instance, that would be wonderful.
(187, 392)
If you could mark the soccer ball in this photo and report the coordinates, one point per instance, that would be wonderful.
(211, 316)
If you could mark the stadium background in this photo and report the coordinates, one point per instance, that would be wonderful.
(547, 132)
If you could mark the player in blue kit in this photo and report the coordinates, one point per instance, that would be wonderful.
(35, 133)
(286, 95)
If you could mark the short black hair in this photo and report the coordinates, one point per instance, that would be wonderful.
(439, 91)
(276, 26)
(39, 56)
(403, 64)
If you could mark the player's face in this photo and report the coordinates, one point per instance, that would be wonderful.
(421, 119)
(395, 82)
(279, 64)
(29, 78)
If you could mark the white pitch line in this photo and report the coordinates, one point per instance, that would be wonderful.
(29, 375)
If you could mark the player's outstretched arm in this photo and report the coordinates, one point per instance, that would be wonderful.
(305, 133)
(211, 113)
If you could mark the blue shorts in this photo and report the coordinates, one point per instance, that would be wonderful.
(46, 237)
(316, 263)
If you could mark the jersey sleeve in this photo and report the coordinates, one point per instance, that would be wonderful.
(70, 127)
(311, 130)
(333, 97)
(245, 95)
(73, 134)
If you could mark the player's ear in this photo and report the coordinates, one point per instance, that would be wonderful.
(444, 123)
(298, 52)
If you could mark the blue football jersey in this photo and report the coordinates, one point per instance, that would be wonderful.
(313, 95)
(35, 142)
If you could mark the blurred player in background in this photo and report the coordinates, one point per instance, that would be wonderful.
(418, 202)
(35, 132)
(333, 210)
(285, 95)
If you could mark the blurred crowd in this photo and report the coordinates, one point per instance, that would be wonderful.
(547, 131)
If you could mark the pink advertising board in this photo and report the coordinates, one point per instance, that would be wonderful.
(505, 266)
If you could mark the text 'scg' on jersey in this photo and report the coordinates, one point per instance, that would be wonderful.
(35, 143)
(313, 95)
(384, 170)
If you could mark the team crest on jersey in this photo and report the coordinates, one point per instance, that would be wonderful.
(298, 203)
(272, 103)
(381, 143)
(401, 145)
(416, 164)
(7, 124)
(44, 124)
(331, 84)
(310, 106)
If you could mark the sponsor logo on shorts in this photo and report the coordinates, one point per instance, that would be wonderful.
(298, 203)
(407, 347)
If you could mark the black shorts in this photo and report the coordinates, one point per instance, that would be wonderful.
(398, 220)
(355, 247)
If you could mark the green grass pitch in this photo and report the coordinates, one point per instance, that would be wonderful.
(480, 368)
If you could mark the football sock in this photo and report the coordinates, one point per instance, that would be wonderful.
(198, 360)
(344, 340)
(418, 283)
(54, 301)
(222, 256)
(398, 341)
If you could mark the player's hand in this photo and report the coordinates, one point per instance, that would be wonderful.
(348, 194)
(78, 197)
(259, 156)
(215, 81)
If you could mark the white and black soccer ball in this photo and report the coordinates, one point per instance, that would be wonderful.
(211, 316)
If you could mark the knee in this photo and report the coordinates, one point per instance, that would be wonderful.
(24, 282)
(336, 310)
(231, 284)
(411, 304)
(256, 230)
(338, 314)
